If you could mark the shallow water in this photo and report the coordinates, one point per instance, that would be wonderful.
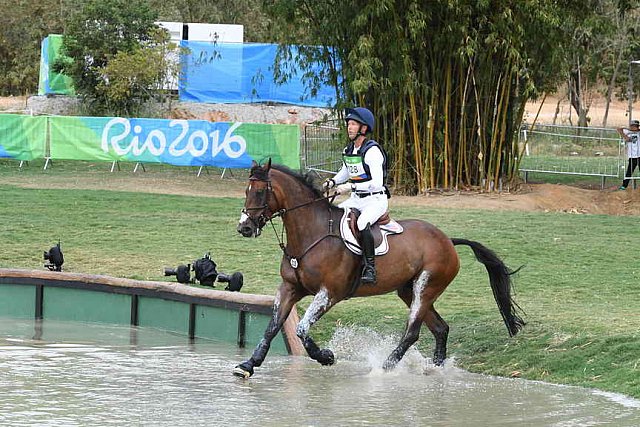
(89, 374)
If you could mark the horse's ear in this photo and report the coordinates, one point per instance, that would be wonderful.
(268, 165)
(253, 164)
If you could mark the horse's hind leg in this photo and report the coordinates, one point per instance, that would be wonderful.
(413, 297)
(440, 331)
(431, 318)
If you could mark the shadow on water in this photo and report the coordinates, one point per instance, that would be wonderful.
(88, 374)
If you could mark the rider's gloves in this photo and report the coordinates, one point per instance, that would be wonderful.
(328, 184)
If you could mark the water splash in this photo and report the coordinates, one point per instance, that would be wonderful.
(368, 347)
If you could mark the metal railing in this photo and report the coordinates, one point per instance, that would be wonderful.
(571, 150)
(322, 147)
(550, 149)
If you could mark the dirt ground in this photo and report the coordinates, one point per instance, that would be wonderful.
(528, 197)
(12, 103)
(544, 198)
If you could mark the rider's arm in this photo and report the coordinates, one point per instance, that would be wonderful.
(342, 175)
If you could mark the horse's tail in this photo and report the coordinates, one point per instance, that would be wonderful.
(500, 278)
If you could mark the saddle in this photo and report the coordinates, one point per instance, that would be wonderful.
(384, 227)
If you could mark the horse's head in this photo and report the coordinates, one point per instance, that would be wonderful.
(259, 204)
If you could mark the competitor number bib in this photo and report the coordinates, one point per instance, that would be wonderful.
(356, 169)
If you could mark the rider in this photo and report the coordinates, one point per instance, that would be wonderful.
(365, 167)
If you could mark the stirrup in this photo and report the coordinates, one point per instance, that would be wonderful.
(368, 275)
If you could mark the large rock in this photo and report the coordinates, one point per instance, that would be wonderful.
(249, 113)
(54, 105)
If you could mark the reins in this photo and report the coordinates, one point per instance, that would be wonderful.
(294, 261)
(281, 212)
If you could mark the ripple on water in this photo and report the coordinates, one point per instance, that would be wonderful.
(168, 381)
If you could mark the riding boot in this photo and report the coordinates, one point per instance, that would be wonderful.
(368, 256)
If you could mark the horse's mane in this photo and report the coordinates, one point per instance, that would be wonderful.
(305, 179)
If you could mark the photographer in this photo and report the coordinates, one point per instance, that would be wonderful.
(632, 138)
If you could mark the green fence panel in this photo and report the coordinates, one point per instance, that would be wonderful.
(163, 314)
(85, 305)
(216, 323)
(173, 142)
(255, 326)
(17, 301)
(22, 137)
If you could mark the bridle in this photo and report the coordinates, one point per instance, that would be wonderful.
(268, 215)
(264, 217)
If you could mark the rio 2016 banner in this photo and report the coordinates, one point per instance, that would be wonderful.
(22, 137)
(174, 142)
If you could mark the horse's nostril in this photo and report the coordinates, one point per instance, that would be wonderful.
(245, 230)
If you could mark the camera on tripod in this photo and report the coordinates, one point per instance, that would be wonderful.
(206, 274)
(181, 272)
(54, 257)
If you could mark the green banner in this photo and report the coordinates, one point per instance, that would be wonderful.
(50, 81)
(22, 137)
(173, 142)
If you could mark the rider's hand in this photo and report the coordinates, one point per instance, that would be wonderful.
(343, 189)
(328, 184)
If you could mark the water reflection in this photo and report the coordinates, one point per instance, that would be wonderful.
(87, 374)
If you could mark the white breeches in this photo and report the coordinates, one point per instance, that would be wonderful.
(371, 208)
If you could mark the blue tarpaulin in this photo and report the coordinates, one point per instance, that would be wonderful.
(243, 73)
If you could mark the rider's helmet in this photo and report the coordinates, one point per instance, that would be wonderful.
(360, 115)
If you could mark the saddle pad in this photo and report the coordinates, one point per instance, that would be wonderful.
(350, 241)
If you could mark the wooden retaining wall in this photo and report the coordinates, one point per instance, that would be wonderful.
(196, 312)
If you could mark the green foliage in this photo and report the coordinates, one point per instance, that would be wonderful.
(140, 75)
(448, 80)
(24, 23)
(114, 54)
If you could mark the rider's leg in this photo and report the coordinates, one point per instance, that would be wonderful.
(371, 209)
(368, 256)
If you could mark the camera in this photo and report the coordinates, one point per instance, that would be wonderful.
(205, 272)
(181, 272)
(55, 258)
(235, 281)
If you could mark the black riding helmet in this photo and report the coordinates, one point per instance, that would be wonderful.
(361, 115)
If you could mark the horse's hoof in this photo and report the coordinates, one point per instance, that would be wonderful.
(389, 364)
(243, 372)
(438, 361)
(326, 357)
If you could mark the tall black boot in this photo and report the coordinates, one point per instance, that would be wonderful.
(368, 256)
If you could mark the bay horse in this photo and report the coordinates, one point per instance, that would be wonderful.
(419, 265)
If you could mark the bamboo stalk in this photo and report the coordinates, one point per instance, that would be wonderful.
(503, 128)
(447, 117)
(416, 142)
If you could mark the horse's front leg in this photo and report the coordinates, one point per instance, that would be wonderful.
(286, 297)
(319, 306)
